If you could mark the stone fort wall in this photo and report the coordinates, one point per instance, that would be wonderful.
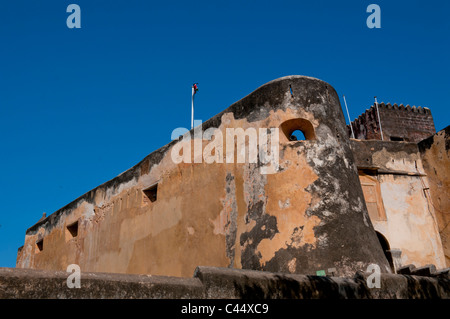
(164, 218)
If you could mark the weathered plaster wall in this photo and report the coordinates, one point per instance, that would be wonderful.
(308, 216)
(411, 224)
(436, 163)
(410, 220)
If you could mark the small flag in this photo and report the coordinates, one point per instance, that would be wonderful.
(195, 88)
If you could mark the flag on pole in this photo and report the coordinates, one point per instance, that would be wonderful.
(195, 87)
(194, 90)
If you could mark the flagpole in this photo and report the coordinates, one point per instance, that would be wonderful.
(349, 120)
(192, 109)
(379, 119)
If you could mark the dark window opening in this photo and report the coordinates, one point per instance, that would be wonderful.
(151, 193)
(386, 249)
(40, 245)
(397, 139)
(73, 229)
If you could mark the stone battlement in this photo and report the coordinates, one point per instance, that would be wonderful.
(398, 123)
(401, 107)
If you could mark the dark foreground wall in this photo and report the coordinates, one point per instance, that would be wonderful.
(213, 282)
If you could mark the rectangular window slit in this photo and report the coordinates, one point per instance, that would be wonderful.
(72, 230)
(151, 193)
(40, 245)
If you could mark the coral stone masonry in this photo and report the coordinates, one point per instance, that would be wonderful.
(331, 205)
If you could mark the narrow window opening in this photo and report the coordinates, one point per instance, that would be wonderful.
(40, 245)
(290, 90)
(72, 230)
(151, 193)
(397, 139)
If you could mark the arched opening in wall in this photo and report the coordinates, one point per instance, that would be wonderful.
(386, 249)
(297, 135)
(297, 130)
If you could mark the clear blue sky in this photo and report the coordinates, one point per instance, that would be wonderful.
(80, 106)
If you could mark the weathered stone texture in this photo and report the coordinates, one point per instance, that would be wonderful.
(393, 179)
(218, 283)
(309, 215)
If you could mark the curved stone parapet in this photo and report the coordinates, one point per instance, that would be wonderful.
(302, 211)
